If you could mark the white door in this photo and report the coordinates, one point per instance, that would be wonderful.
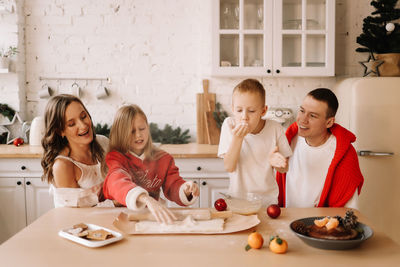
(375, 109)
(38, 199)
(12, 208)
(210, 190)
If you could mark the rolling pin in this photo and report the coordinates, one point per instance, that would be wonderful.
(181, 214)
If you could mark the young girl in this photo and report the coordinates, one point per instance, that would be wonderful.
(137, 170)
(73, 159)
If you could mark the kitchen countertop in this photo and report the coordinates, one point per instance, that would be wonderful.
(191, 150)
(39, 245)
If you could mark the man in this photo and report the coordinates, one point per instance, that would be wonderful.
(323, 170)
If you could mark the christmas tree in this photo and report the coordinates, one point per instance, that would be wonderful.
(380, 34)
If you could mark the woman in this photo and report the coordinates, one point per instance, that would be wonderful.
(73, 159)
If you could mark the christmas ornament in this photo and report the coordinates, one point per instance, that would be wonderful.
(16, 129)
(18, 141)
(390, 27)
(371, 65)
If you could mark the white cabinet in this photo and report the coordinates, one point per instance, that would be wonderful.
(23, 196)
(273, 37)
(209, 174)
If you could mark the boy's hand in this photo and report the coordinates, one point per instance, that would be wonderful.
(191, 188)
(278, 161)
(240, 129)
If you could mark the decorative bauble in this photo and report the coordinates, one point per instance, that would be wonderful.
(390, 27)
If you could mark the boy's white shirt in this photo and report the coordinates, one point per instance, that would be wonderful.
(253, 173)
(133, 194)
(308, 167)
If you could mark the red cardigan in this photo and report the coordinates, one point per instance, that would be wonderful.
(344, 175)
(125, 171)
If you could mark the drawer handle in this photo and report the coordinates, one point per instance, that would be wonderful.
(199, 168)
(28, 183)
(19, 183)
(204, 183)
(23, 168)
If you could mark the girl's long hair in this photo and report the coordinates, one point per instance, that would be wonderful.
(53, 143)
(121, 130)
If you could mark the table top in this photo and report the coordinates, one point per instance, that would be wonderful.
(191, 150)
(39, 245)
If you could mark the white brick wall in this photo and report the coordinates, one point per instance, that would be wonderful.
(154, 51)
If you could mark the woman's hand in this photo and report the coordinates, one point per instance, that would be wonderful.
(191, 188)
(278, 161)
(159, 211)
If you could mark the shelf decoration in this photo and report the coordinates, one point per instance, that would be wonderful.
(381, 36)
(16, 129)
(169, 135)
(371, 65)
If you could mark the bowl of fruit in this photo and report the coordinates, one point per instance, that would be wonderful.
(335, 233)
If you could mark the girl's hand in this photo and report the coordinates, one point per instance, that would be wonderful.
(159, 211)
(278, 161)
(191, 188)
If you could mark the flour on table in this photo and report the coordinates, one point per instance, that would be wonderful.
(188, 225)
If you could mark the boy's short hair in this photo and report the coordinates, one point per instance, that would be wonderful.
(327, 96)
(251, 86)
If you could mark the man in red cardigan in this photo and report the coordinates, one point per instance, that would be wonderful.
(323, 170)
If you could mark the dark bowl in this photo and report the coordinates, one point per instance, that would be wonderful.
(332, 244)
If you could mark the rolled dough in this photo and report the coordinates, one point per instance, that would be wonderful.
(188, 225)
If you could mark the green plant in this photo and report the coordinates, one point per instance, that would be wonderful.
(10, 52)
(169, 135)
(6, 111)
(102, 129)
(219, 114)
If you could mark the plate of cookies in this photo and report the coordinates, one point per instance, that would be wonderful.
(90, 235)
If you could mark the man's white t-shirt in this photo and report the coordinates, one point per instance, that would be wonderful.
(253, 173)
(308, 167)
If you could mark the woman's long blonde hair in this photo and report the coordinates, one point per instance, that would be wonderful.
(121, 130)
(53, 143)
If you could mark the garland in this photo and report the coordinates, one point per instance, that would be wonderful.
(6, 111)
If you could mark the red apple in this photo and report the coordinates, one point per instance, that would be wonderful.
(273, 211)
(18, 141)
(220, 204)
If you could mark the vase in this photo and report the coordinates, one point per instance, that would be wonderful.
(4, 62)
(390, 66)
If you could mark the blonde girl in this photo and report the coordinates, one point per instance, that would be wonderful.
(137, 170)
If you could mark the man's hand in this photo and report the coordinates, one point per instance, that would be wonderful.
(278, 161)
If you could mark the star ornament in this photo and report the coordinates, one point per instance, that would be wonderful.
(371, 65)
(16, 129)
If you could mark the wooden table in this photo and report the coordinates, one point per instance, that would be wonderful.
(39, 245)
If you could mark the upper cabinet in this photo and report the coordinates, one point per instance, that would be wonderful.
(273, 38)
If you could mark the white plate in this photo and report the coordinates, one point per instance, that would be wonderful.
(91, 243)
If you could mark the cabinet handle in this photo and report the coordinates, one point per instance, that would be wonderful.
(23, 168)
(199, 168)
(204, 183)
(28, 183)
(19, 183)
(268, 71)
(278, 71)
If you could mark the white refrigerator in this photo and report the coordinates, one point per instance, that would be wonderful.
(370, 108)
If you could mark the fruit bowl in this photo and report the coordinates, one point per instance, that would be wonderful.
(332, 244)
(245, 206)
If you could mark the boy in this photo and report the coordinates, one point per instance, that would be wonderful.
(249, 145)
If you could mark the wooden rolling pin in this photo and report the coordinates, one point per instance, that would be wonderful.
(181, 214)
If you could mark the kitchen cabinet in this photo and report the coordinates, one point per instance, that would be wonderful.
(209, 174)
(273, 38)
(23, 196)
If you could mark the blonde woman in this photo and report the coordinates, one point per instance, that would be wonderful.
(137, 170)
(73, 159)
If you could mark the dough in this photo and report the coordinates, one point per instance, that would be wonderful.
(188, 225)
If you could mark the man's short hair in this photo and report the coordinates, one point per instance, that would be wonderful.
(327, 96)
(251, 86)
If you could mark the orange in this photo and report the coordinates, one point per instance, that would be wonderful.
(321, 222)
(255, 240)
(278, 245)
(332, 224)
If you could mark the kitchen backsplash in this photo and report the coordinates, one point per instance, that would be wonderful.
(155, 52)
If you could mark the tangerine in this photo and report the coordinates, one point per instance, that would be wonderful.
(255, 240)
(278, 245)
(332, 223)
(321, 222)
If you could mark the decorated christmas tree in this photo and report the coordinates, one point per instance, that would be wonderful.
(381, 32)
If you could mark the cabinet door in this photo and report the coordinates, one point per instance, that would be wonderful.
(242, 37)
(210, 190)
(304, 37)
(174, 205)
(38, 199)
(12, 209)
